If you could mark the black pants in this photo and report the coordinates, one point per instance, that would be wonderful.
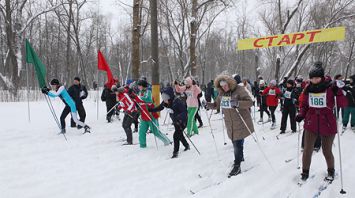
(198, 117)
(135, 121)
(179, 136)
(272, 111)
(128, 120)
(82, 115)
(64, 114)
(263, 108)
(238, 146)
(109, 107)
(288, 111)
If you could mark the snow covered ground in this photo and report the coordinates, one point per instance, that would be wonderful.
(35, 162)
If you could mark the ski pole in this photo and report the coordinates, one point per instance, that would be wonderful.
(192, 143)
(215, 144)
(166, 115)
(54, 115)
(261, 150)
(342, 191)
(224, 137)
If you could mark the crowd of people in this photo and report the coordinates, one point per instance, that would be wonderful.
(316, 101)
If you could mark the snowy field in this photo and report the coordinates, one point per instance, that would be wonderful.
(35, 162)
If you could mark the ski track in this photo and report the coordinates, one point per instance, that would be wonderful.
(36, 162)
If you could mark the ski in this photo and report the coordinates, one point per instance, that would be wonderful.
(193, 192)
(300, 182)
(322, 187)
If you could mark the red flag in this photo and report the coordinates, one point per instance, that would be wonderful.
(102, 65)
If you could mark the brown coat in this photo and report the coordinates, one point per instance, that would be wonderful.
(236, 128)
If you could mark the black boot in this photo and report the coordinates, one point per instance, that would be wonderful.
(62, 131)
(331, 174)
(187, 148)
(175, 155)
(87, 129)
(235, 171)
(304, 175)
(282, 132)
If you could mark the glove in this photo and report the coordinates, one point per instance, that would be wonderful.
(45, 90)
(299, 118)
(234, 103)
(340, 84)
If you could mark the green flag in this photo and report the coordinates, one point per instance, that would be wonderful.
(31, 57)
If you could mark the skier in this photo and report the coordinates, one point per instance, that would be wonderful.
(148, 120)
(197, 115)
(272, 94)
(350, 109)
(109, 97)
(235, 103)
(191, 90)
(78, 93)
(263, 104)
(289, 108)
(317, 113)
(209, 91)
(59, 90)
(178, 113)
(130, 111)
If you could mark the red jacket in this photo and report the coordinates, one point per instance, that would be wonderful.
(272, 96)
(143, 107)
(319, 116)
(126, 102)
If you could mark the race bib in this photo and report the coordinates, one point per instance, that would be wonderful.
(188, 93)
(287, 94)
(318, 100)
(226, 102)
(272, 92)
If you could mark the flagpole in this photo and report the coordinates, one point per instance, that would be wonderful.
(28, 95)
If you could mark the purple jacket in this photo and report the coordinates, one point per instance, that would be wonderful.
(320, 119)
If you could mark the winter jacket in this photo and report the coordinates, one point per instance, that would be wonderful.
(209, 91)
(236, 128)
(78, 93)
(262, 97)
(126, 102)
(350, 94)
(144, 100)
(317, 107)
(177, 111)
(191, 92)
(109, 97)
(272, 96)
(290, 97)
(64, 96)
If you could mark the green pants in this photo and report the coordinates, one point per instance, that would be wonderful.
(143, 128)
(347, 112)
(191, 122)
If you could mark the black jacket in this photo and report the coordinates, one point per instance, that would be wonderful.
(350, 94)
(109, 97)
(290, 97)
(179, 108)
(75, 91)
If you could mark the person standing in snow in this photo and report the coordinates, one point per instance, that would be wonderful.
(148, 120)
(59, 90)
(130, 111)
(289, 107)
(272, 94)
(178, 113)
(235, 103)
(350, 109)
(192, 91)
(263, 104)
(317, 113)
(109, 97)
(78, 93)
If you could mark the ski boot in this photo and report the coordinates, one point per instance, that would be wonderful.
(87, 129)
(269, 120)
(261, 120)
(273, 125)
(187, 148)
(282, 132)
(62, 131)
(331, 175)
(343, 129)
(235, 171)
(175, 155)
(304, 175)
(127, 143)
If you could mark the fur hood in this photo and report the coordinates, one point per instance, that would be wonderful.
(231, 82)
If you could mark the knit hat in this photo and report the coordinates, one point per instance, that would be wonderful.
(167, 93)
(77, 78)
(317, 70)
(237, 78)
(55, 82)
(273, 82)
(261, 82)
(142, 83)
(291, 82)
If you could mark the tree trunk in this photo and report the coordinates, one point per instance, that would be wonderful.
(193, 30)
(135, 40)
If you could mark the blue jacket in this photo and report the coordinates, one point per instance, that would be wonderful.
(64, 96)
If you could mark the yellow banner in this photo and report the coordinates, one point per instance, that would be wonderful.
(311, 36)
